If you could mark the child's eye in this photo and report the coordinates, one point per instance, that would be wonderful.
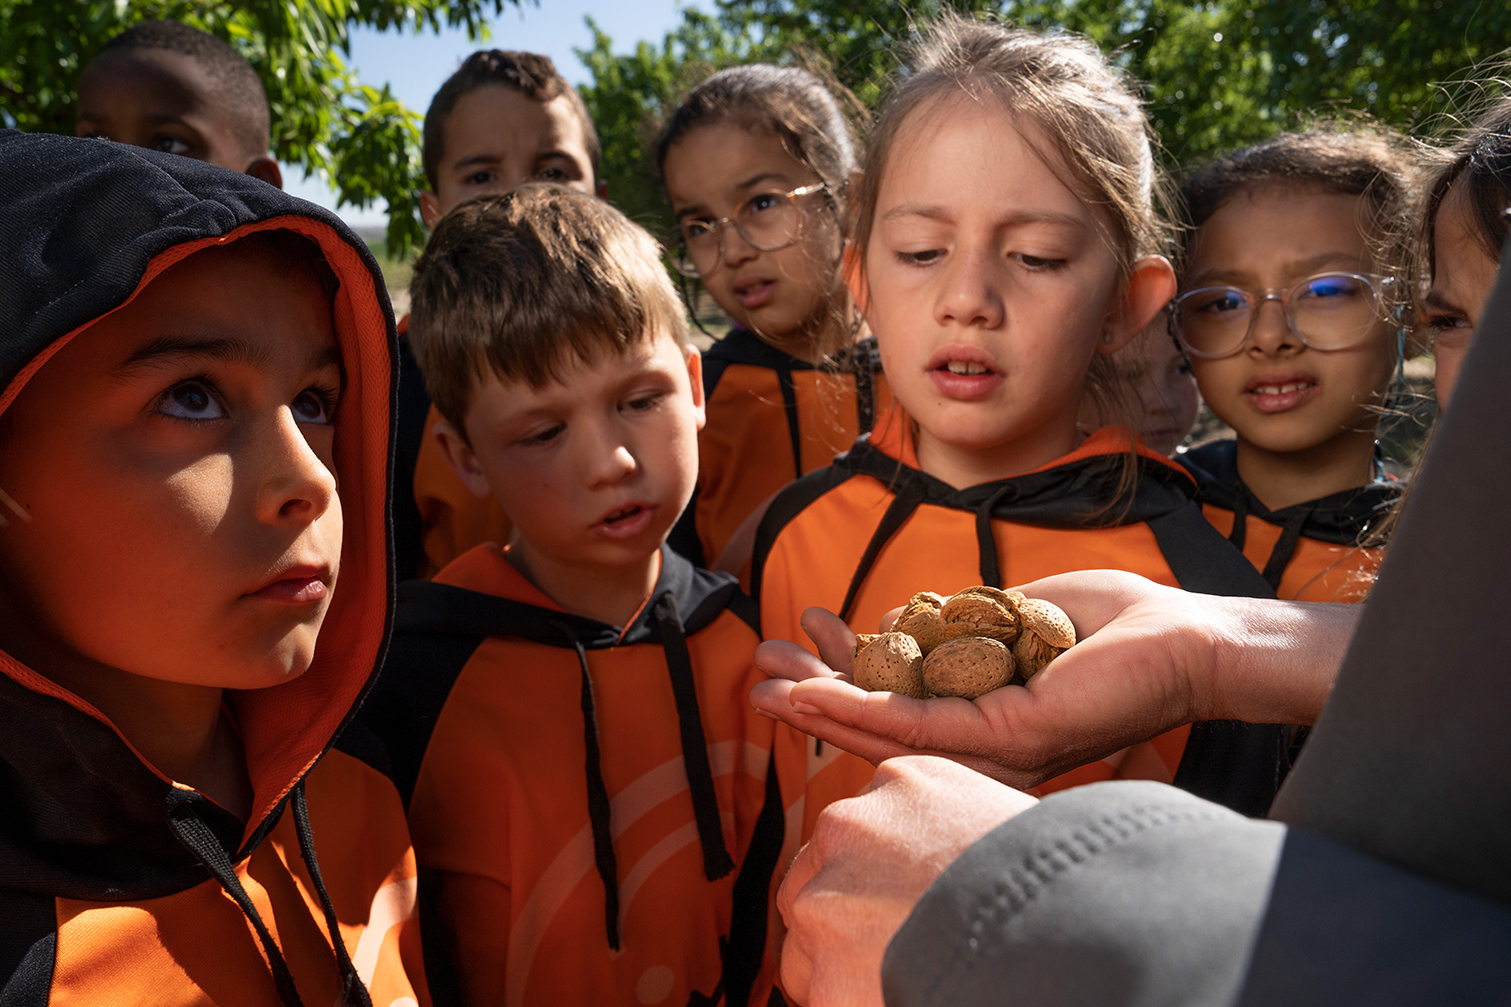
(478, 178)
(552, 174)
(313, 406)
(1037, 262)
(543, 437)
(191, 400)
(763, 201)
(924, 258)
(170, 144)
(645, 403)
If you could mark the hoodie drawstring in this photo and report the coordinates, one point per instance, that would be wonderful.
(986, 542)
(1240, 532)
(909, 495)
(700, 779)
(1285, 546)
(789, 406)
(598, 799)
(353, 990)
(192, 831)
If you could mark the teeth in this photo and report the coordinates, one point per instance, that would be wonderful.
(964, 367)
(1282, 389)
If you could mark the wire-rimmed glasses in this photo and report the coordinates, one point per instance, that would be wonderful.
(768, 221)
(1326, 311)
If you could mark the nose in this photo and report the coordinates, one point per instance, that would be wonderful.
(1272, 333)
(608, 456)
(737, 251)
(969, 292)
(294, 483)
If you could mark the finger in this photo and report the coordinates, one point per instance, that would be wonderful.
(889, 618)
(784, 659)
(954, 725)
(835, 641)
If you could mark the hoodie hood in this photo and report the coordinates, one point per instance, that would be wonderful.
(89, 224)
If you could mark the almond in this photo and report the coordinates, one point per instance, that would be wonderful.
(967, 667)
(1047, 633)
(889, 662)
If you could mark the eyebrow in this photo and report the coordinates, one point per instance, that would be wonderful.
(167, 350)
(761, 176)
(1303, 267)
(477, 159)
(1013, 219)
(1437, 300)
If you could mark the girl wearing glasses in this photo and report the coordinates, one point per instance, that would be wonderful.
(756, 163)
(1007, 246)
(1290, 314)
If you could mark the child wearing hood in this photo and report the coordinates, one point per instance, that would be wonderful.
(196, 374)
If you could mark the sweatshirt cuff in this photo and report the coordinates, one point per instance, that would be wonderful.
(1112, 893)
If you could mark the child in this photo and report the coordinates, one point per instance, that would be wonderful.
(1007, 243)
(757, 162)
(1302, 219)
(1154, 378)
(503, 118)
(166, 86)
(194, 579)
(1461, 229)
(554, 345)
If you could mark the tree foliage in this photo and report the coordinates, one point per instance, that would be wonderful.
(361, 139)
(1216, 75)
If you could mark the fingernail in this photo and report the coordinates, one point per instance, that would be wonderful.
(768, 716)
(805, 708)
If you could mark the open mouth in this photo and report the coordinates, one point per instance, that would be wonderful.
(1279, 393)
(964, 375)
(754, 292)
(626, 521)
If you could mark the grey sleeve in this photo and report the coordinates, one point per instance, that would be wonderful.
(1114, 893)
(1136, 893)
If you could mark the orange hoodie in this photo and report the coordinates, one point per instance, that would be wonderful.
(118, 885)
(771, 419)
(598, 811)
(862, 536)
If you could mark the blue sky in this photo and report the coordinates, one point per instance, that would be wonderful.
(415, 65)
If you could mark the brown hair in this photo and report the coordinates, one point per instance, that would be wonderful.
(1348, 158)
(1481, 161)
(516, 282)
(800, 109)
(1086, 107)
(531, 74)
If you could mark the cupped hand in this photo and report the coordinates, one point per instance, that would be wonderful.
(1150, 658)
(870, 860)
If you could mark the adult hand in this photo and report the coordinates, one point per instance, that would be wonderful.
(870, 860)
(1150, 658)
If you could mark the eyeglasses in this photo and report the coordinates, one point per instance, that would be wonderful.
(1328, 311)
(768, 221)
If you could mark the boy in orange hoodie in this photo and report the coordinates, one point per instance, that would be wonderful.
(595, 802)
(195, 379)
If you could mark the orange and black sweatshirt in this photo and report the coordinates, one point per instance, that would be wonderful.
(1308, 551)
(597, 811)
(863, 535)
(772, 417)
(118, 885)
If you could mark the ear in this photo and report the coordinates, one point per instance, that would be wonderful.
(430, 208)
(602, 188)
(1151, 285)
(266, 169)
(461, 459)
(695, 381)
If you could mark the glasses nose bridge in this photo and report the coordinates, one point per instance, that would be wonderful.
(1258, 300)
